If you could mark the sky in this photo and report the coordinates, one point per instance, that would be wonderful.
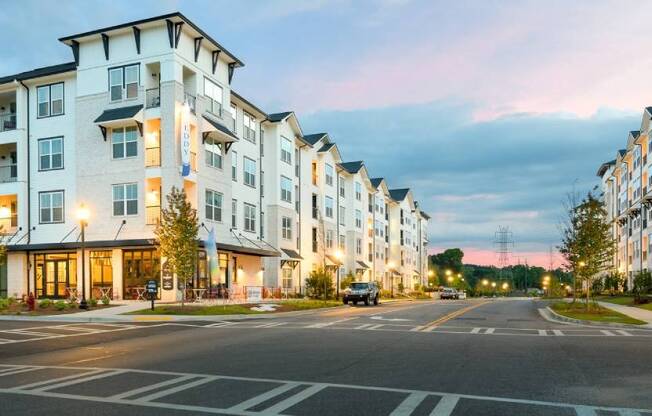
(490, 111)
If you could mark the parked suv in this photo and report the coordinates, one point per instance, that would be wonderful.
(362, 291)
(449, 293)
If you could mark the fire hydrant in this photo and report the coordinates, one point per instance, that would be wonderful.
(30, 301)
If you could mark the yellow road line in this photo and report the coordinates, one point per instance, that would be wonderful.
(434, 324)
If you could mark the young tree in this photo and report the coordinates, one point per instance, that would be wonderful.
(587, 244)
(176, 235)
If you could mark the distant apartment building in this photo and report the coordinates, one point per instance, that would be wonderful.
(146, 106)
(626, 183)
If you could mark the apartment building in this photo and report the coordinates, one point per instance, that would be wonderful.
(626, 183)
(146, 106)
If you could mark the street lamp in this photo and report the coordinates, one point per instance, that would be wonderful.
(390, 266)
(430, 273)
(448, 272)
(338, 255)
(493, 284)
(485, 282)
(505, 286)
(82, 215)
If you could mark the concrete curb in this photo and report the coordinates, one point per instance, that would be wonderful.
(172, 318)
(552, 316)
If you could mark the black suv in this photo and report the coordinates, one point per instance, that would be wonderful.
(362, 291)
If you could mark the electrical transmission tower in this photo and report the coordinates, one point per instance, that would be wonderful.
(504, 243)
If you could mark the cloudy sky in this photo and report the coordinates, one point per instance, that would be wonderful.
(491, 111)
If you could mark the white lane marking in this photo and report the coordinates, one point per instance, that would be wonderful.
(376, 326)
(79, 380)
(608, 333)
(363, 326)
(627, 411)
(263, 397)
(167, 392)
(18, 371)
(11, 368)
(325, 324)
(557, 333)
(543, 333)
(490, 331)
(623, 333)
(417, 328)
(269, 324)
(380, 318)
(30, 333)
(144, 389)
(219, 324)
(55, 380)
(585, 411)
(281, 406)
(475, 330)
(445, 406)
(408, 405)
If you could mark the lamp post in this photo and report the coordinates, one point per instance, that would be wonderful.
(390, 265)
(338, 255)
(82, 216)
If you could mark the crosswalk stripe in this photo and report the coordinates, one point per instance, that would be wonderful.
(476, 330)
(363, 326)
(608, 333)
(294, 399)
(176, 389)
(543, 332)
(56, 380)
(263, 397)
(585, 411)
(445, 406)
(152, 387)
(79, 380)
(325, 324)
(218, 324)
(623, 333)
(490, 331)
(18, 371)
(408, 405)
(557, 332)
(376, 326)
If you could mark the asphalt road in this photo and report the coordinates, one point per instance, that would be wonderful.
(474, 357)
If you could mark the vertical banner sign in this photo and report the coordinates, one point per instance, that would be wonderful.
(211, 252)
(185, 140)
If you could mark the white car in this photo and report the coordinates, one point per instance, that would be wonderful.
(461, 294)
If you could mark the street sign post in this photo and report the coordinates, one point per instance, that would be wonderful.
(152, 290)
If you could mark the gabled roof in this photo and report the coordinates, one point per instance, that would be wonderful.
(622, 152)
(249, 103)
(39, 72)
(314, 138)
(352, 167)
(399, 194)
(326, 147)
(604, 167)
(277, 117)
(176, 17)
(375, 182)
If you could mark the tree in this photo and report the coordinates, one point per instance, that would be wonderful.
(319, 284)
(613, 281)
(347, 280)
(587, 244)
(642, 285)
(176, 235)
(450, 259)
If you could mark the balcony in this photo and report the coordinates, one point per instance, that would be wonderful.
(153, 157)
(153, 214)
(214, 107)
(7, 122)
(153, 98)
(8, 173)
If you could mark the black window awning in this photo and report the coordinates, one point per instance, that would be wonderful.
(118, 117)
(362, 265)
(291, 254)
(217, 131)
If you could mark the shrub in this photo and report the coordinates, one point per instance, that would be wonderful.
(11, 300)
(92, 302)
(44, 303)
(60, 305)
(385, 293)
(347, 280)
(642, 285)
(105, 300)
(401, 287)
(319, 283)
(4, 303)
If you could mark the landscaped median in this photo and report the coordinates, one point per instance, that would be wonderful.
(626, 301)
(238, 309)
(596, 313)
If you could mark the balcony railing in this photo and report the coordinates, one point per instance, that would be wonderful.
(153, 214)
(191, 100)
(8, 224)
(7, 122)
(214, 107)
(249, 134)
(8, 173)
(153, 98)
(153, 157)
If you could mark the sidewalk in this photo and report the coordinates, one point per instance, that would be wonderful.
(632, 311)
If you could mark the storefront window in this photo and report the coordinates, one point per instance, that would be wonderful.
(55, 274)
(101, 269)
(138, 267)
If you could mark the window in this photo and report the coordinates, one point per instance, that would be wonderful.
(314, 173)
(341, 183)
(213, 93)
(287, 278)
(286, 150)
(124, 141)
(329, 206)
(358, 191)
(341, 243)
(329, 239)
(249, 172)
(213, 205)
(50, 153)
(286, 228)
(125, 199)
(123, 82)
(286, 189)
(234, 165)
(250, 218)
(50, 100)
(315, 244)
(371, 202)
(51, 207)
(234, 213)
(358, 246)
(342, 216)
(213, 153)
(249, 127)
(329, 174)
(297, 166)
(358, 218)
